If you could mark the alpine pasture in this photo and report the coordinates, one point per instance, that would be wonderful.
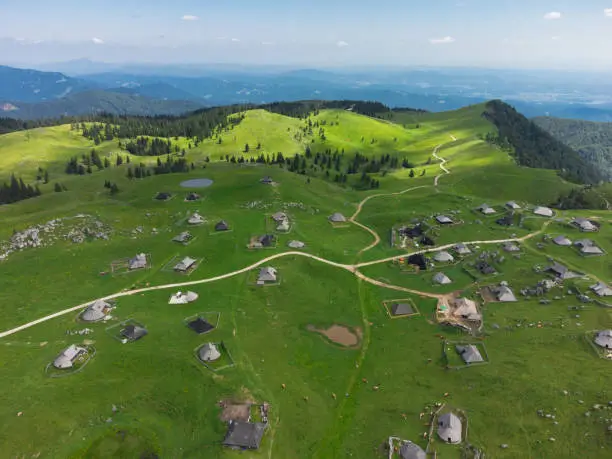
(154, 398)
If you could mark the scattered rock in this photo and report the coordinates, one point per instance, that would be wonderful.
(552, 439)
(503, 446)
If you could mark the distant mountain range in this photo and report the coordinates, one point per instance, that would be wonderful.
(99, 101)
(150, 89)
(34, 86)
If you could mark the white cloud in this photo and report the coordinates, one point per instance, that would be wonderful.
(190, 17)
(441, 41)
(97, 41)
(267, 43)
(235, 40)
(608, 12)
(555, 38)
(552, 15)
(342, 44)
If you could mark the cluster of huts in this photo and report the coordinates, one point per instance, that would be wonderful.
(512, 205)
(585, 246)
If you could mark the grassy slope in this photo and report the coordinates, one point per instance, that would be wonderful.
(174, 410)
(24, 151)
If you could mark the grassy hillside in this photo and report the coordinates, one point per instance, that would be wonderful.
(410, 136)
(153, 397)
(22, 152)
(592, 140)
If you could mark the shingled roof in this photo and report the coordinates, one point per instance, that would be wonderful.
(244, 435)
(450, 428)
(469, 353)
(409, 450)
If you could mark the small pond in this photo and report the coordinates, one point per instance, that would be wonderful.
(197, 183)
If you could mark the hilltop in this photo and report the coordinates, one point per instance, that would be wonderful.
(358, 144)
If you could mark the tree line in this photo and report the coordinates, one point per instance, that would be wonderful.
(16, 190)
(171, 165)
(85, 164)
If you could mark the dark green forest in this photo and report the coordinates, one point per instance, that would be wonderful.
(534, 147)
(16, 190)
(593, 141)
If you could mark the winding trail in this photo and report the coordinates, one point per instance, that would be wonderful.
(442, 161)
(350, 268)
(175, 285)
(353, 218)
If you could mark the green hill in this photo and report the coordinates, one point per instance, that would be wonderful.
(339, 145)
(593, 141)
(338, 373)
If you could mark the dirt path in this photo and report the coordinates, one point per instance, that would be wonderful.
(176, 285)
(369, 280)
(351, 268)
(442, 161)
(353, 218)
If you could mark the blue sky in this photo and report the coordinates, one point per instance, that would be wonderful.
(495, 33)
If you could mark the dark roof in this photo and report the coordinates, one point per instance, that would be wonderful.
(508, 220)
(401, 309)
(411, 232)
(221, 226)
(200, 326)
(244, 435)
(133, 332)
(418, 260)
(267, 240)
(192, 197)
(163, 196)
(425, 240)
(485, 268)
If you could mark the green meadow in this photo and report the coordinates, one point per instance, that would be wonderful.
(154, 398)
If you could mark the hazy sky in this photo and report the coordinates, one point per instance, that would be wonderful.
(509, 33)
